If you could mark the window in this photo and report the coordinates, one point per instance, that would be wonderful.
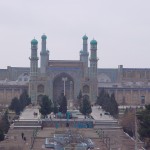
(86, 89)
(142, 100)
(40, 88)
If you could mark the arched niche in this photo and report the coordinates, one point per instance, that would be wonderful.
(40, 88)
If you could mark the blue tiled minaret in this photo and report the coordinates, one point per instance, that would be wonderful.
(33, 71)
(93, 71)
(84, 55)
(44, 56)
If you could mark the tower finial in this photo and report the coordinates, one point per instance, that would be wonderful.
(44, 37)
(85, 37)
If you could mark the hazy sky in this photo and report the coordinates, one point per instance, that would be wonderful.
(121, 27)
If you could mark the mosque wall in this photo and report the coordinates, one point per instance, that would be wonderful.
(7, 93)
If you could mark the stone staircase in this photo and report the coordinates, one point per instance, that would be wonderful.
(112, 131)
(27, 124)
(106, 124)
(118, 139)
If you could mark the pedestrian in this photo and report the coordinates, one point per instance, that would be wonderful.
(24, 139)
(22, 135)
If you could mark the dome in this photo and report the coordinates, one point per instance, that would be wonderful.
(93, 42)
(34, 42)
(44, 37)
(81, 52)
(85, 37)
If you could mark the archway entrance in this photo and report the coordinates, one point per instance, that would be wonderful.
(63, 83)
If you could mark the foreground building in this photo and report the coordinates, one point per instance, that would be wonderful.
(130, 85)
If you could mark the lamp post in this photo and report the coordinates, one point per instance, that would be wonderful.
(71, 90)
(64, 79)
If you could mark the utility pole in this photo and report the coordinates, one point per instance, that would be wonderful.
(64, 79)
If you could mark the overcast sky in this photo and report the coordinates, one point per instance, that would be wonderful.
(121, 28)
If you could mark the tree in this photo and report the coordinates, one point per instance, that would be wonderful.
(128, 122)
(24, 100)
(15, 105)
(85, 106)
(63, 105)
(1, 135)
(101, 97)
(5, 121)
(4, 125)
(114, 106)
(144, 125)
(45, 106)
(55, 108)
(108, 102)
(18, 105)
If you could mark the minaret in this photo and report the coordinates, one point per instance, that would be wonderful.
(33, 72)
(84, 55)
(44, 55)
(93, 71)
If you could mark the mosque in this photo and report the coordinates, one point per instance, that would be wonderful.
(67, 76)
(53, 77)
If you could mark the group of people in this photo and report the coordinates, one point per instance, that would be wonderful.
(35, 114)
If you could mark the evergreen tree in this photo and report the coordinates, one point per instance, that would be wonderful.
(63, 105)
(55, 108)
(24, 100)
(106, 104)
(144, 128)
(101, 97)
(4, 125)
(46, 106)
(18, 105)
(85, 106)
(1, 135)
(114, 105)
(15, 105)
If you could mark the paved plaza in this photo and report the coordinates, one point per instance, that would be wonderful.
(30, 113)
(99, 114)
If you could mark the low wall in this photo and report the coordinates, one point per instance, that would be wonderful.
(58, 123)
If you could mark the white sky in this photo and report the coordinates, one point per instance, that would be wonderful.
(121, 27)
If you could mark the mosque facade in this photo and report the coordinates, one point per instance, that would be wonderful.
(63, 76)
(54, 77)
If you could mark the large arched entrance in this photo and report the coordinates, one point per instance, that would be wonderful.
(63, 83)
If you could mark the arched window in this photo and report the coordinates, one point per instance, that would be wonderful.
(40, 88)
(86, 89)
